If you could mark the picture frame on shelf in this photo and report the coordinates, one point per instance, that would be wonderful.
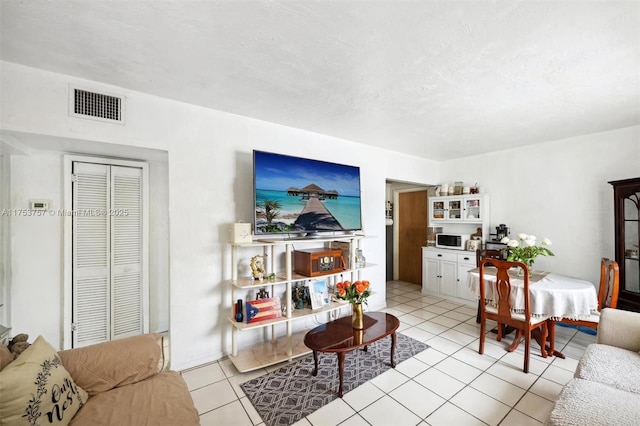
(319, 293)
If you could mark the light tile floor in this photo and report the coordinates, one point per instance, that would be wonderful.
(448, 384)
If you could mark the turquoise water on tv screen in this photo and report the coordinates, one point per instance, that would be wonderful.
(345, 209)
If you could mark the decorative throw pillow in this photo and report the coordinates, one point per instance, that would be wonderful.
(36, 389)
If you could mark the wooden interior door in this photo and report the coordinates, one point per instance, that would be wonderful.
(412, 235)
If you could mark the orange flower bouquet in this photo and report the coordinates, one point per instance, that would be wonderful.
(356, 292)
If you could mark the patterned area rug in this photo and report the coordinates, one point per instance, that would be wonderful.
(290, 393)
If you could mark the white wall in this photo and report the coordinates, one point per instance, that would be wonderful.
(4, 253)
(210, 187)
(36, 248)
(557, 190)
(36, 245)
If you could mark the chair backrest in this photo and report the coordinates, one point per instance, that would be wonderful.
(609, 284)
(502, 290)
(488, 254)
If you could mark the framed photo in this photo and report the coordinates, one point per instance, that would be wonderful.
(319, 293)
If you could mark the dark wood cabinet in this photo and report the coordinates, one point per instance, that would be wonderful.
(626, 197)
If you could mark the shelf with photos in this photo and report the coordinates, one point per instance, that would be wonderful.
(309, 296)
(282, 308)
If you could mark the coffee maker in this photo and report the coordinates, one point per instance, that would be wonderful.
(502, 231)
(494, 242)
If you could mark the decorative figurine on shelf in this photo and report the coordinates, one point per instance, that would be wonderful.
(298, 297)
(257, 267)
(306, 295)
(262, 294)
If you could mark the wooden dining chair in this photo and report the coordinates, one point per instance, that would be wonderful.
(486, 254)
(607, 298)
(500, 310)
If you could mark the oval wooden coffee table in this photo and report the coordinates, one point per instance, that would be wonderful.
(340, 337)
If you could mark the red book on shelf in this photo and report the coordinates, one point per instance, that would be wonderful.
(263, 309)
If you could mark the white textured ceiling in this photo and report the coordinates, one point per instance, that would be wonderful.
(436, 79)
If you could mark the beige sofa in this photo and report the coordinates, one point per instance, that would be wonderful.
(605, 389)
(122, 382)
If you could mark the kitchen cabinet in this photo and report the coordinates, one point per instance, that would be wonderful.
(444, 273)
(442, 209)
(466, 262)
(430, 274)
(626, 198)
(458, 209)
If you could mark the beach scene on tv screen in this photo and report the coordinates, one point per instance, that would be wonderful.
(302, 195)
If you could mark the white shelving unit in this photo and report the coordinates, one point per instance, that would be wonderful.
(276, 349)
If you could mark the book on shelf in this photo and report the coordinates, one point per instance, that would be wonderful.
(346, 252)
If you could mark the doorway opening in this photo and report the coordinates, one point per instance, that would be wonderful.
(406, 229)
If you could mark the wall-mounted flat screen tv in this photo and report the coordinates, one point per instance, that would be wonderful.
(296, 195)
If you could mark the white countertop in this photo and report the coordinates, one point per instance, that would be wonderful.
(448, 250)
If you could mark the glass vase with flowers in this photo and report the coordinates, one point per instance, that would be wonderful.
(525, 250)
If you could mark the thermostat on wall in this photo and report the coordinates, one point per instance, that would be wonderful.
(39, 204)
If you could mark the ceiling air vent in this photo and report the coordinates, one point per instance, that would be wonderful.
(97, 106)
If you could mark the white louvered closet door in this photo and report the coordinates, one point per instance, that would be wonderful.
(108, 249)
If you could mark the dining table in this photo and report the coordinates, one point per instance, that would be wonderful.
(552, 295)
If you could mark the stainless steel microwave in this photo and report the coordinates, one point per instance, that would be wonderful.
(452, 241)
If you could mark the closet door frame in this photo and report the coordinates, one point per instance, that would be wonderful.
(67, 302)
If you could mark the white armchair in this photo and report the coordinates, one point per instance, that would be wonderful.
(620, 329)
(605, 389)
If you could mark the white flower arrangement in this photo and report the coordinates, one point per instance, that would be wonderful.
(525, 250)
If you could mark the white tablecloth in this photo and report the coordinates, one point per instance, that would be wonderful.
(554, 295)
